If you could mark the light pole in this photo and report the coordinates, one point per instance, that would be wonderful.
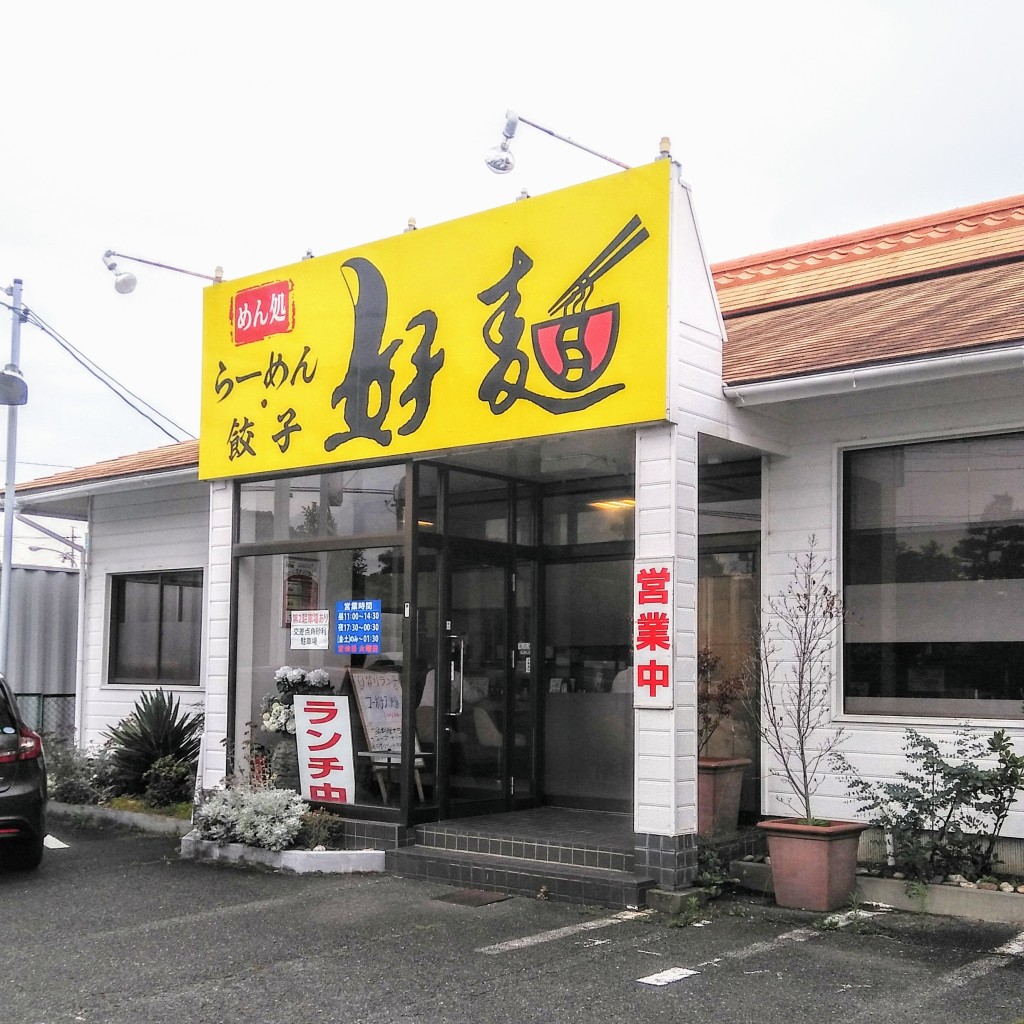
(13, 392)
(67, 557)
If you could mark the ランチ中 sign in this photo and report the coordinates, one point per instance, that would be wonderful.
(323, 734)
(652, 634)
(546, 316)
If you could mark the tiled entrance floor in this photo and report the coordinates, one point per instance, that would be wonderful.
(558, 826)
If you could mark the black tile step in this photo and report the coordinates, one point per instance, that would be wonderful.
(567, 883)
(567, 852)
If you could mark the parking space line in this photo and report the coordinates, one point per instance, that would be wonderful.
(1005, 954)
(561, 933)
(53, 843)
(667, 977)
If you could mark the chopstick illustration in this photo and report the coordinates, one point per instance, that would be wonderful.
(576, 295)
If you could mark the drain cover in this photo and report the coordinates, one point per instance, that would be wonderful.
(473, 897)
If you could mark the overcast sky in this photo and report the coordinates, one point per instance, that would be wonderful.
(242, 134)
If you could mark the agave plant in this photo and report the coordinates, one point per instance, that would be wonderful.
(156, 729)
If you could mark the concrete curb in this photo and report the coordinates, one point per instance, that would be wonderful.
(129, 819)
(299, 862)
(948, 900)
(944, 900)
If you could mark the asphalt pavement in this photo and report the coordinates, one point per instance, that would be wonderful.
(116, 929)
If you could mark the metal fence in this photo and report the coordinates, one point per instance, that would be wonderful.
(51, 714)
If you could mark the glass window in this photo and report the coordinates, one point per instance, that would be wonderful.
(348, 581)
(477, 507)
(586, 683)
(156, 627)
(348, 503)
(589, 517)
(934, 578)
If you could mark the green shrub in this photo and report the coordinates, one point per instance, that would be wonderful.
(321, 828)
(169, 782)
(267, 818)
(72, 773)
(944, 815)
(78, 776)
(157, 728)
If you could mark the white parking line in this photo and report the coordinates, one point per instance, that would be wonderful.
(987, 964)
(786, 938)
(667, 977)
(52, 843)
(561, 933)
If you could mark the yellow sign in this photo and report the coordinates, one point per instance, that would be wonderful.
(546, 316)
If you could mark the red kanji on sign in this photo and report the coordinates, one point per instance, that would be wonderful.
(322, 766)
(329, 794)
(257, 313)
(322, 746)
(653, 586)
(652, 632)
(321, 707)
(652, 675)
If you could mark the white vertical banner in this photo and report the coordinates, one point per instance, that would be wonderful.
(653, 603)
(323, 732)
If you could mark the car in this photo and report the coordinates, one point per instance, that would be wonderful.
(22, 788)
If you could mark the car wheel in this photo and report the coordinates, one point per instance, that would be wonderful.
(24, 854)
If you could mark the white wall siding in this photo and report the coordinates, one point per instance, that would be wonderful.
(217, 631)
(159, 527)
(802, 497)
(665, 790)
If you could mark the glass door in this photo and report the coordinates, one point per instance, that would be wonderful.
(475, 763)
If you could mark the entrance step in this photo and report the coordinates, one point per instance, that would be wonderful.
(541, 879)
(565, 855)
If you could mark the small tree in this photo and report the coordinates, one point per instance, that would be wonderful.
(715, 697)
(795, 644)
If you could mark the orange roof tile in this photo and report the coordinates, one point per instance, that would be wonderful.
(174, 456)
(955, 312)
(971, 236)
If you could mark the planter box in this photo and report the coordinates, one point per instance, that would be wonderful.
(949, 900)
(814, 867)
(719, 785)
(298, 861)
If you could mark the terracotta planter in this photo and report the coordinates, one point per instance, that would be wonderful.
(719, 783)
(814, 867)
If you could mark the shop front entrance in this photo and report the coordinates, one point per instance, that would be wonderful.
(485, 750)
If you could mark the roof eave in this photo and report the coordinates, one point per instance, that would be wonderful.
(39, 501)
(875, 377)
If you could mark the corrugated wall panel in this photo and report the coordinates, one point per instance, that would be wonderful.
(44, 624)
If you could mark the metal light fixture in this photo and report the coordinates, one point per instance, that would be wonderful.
(125, 281)
(500, 158)
(66, 557)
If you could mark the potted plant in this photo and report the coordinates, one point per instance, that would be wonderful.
(719, 779)
(278, 716)
(813, 860)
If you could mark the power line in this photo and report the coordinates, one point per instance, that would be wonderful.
(132, 400)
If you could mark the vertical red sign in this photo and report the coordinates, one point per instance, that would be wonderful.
(652, 634)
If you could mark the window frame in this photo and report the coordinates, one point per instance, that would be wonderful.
(116, 582)
(926, 715)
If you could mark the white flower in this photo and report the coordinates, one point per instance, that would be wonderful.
(318, 677)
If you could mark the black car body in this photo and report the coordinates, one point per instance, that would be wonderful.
(22, 788)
